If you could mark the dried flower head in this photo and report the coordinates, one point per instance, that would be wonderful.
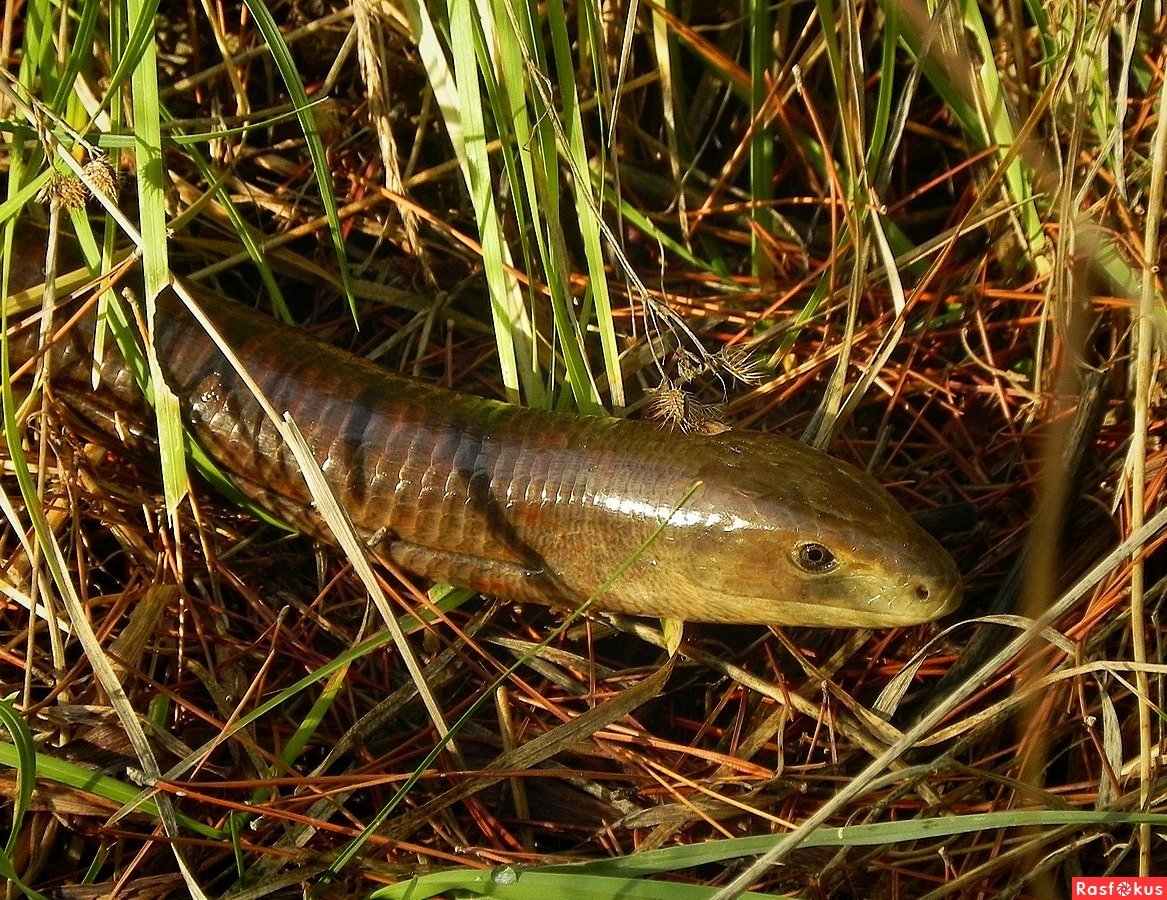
(689, 366)
(738, 362)
(102, 175)
(64, 190)
(667, 404)
(678, 408)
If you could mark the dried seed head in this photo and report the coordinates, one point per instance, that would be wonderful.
(689, 366)
(63, 190)
(102, 175)
(678, 408)
(738, 362)
(667, 404)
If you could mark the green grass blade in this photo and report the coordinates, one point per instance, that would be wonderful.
(286, 64)
(639, 220)
(513, 333)
(25, 751)
(881, 118)
(238, 223)
(533, 164)
(155, 263)
(974, 94)
(134, 46)
(59, 771)
(510, 883)
(80, 56)
(587, 205)
(875, 834)
(300, 738)
(761, 141)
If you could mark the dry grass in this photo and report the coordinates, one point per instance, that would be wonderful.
(966, 313)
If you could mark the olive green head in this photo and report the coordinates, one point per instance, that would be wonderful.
(780, 534)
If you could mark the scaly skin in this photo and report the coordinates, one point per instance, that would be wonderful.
(539, 506)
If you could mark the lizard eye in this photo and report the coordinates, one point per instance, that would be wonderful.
(813, 558)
